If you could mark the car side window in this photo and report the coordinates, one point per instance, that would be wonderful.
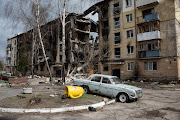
(106, 80)
(96, 79)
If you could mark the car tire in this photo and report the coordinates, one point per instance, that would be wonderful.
(123, 97)
(86, 89)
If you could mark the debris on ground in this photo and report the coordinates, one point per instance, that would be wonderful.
(92, 109)
(20, 96)
(105, 100)
(34, 100)
(64, 96)
(154, 83)
(173, 82)
(27, 90)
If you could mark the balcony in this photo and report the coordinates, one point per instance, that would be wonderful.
(149, 54)
(141, 3)
(148, 18)
(148, 36)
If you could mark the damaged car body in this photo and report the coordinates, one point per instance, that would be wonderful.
(110, 86)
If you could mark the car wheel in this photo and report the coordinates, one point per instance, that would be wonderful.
(86, 89)
(123, 98)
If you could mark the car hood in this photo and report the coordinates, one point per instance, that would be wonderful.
(127, 86)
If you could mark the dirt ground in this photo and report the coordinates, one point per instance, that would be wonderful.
(43, 92)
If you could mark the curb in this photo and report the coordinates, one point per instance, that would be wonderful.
(55, 110)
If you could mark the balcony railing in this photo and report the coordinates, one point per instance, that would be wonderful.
(141, 3)
(147, 18)
(150, 17)
(148, 36)
(149, 54)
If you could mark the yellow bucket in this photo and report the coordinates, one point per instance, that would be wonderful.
(74, 91)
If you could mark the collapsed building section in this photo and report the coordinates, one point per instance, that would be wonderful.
(78, 48)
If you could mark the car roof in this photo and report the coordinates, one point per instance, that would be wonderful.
(101, 75)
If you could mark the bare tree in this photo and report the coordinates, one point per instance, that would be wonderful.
(32, 15)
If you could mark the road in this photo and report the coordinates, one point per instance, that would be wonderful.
(154, 105)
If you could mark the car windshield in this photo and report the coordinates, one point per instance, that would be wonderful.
(116, 80)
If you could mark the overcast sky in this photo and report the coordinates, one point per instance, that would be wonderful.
(6, 30)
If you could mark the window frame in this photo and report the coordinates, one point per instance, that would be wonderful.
(150, 66)
(131, 50)
(116, 26)
(128, 3)
(116, 37)
(129, 34)
(130, 65)
(129, 18)
(116, 7)
(106, 81)
(119, 55)
(95, 79)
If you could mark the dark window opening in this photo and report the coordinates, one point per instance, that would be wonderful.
(96, 79)
(116, 8)
(106, 80)
(117, 39)
(130, 49)
(105, 67)
(117, 53)
(116, 23)
(147, 12)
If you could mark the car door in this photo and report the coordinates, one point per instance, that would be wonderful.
(94, 84)
(106, 87)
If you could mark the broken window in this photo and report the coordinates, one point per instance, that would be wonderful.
(96, 79)
(130, 66)
(150, 66)
(116, 23)
(147, 12)
(128, 3)
(151, 45)
(106, 80)
(117, 53)
(60, 48)
(116, 8)
(129, 18)
(130, 49)
(130, 34)
(117, 38)
(60, 58)
(105, 67)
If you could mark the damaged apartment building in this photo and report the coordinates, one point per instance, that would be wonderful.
(139, 38)
(77, 46)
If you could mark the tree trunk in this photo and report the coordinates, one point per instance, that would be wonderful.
(63, 42)
(40, 38)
